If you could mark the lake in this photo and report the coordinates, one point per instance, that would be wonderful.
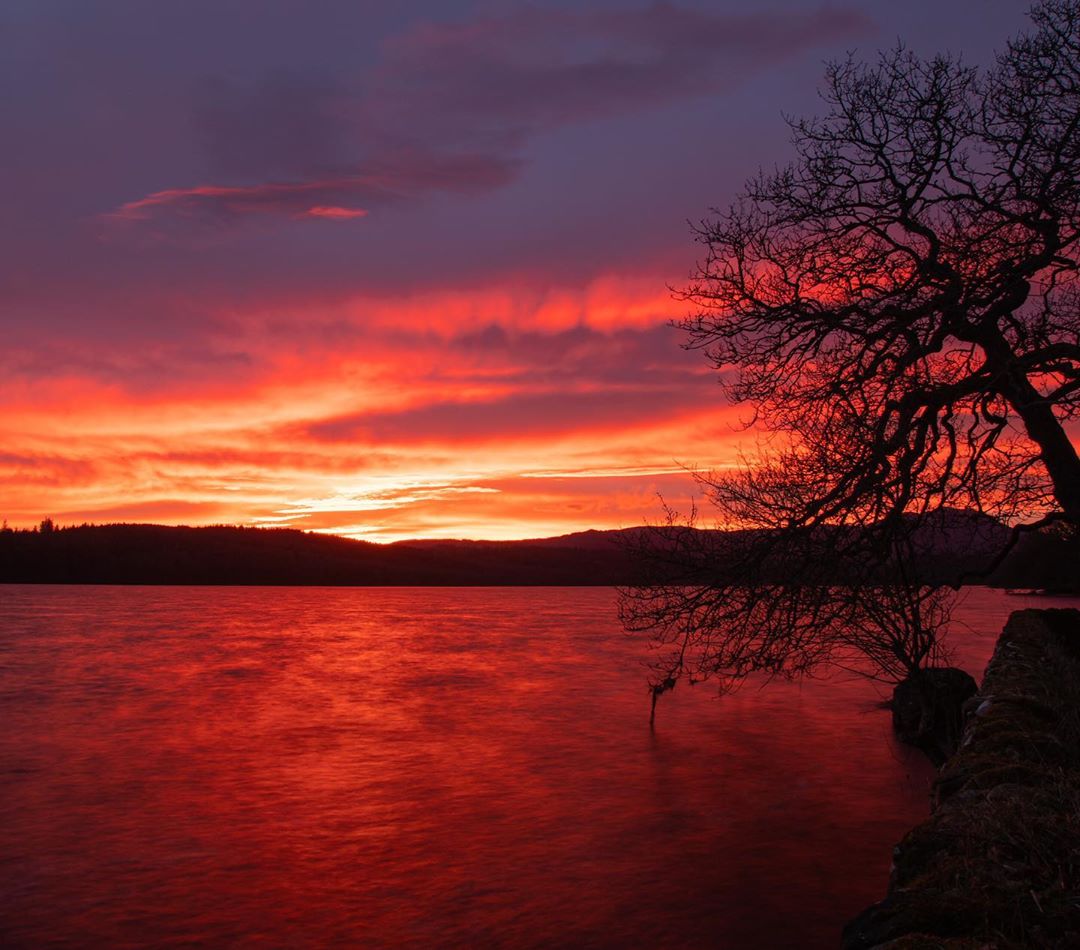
(392, 767)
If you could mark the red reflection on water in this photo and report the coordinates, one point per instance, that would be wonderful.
(391, 767)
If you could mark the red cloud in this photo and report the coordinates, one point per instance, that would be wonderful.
(524, 459)
(335, 213)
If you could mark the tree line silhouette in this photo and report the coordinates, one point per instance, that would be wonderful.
(157, 554)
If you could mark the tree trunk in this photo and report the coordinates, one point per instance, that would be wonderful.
(1056, 449)
(1042, 425)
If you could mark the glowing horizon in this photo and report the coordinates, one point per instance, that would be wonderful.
(390, 274)
(530, 426)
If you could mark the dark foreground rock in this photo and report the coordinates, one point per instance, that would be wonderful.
(928, 710)
(997, 865)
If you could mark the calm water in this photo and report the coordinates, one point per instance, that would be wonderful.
(423, 767)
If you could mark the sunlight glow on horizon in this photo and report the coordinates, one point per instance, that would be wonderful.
(490, 415)
(387, 272)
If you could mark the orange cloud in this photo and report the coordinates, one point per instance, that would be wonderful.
(483, 415)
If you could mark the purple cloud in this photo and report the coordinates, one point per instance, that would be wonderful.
(450, 107)
(537, 68)
(346, 196)
(282, 125)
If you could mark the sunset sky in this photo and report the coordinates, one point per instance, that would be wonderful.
(385, 269)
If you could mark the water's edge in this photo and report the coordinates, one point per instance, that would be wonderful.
(995, 865)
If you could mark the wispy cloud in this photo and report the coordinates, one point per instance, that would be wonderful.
(335, 213)
(515, 417)
(462, 100)
(536, 68)
(528, 456)
(405, 176)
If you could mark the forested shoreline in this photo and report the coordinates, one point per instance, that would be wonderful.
(229, 555)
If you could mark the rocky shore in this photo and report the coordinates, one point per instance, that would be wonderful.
(997, 864)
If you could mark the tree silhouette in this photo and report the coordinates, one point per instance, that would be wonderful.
(899, 308)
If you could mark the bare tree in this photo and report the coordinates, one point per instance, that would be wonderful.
(765, 597)
(900, 309)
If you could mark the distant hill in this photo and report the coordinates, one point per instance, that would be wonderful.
(156, 554)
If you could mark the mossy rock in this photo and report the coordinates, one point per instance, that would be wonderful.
(902, 914)
(984, 773)
(1011, 741)
(932, 942)
(927, 710)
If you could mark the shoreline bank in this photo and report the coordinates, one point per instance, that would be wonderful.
(997, 864)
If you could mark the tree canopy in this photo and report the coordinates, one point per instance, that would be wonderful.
(899, 309)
